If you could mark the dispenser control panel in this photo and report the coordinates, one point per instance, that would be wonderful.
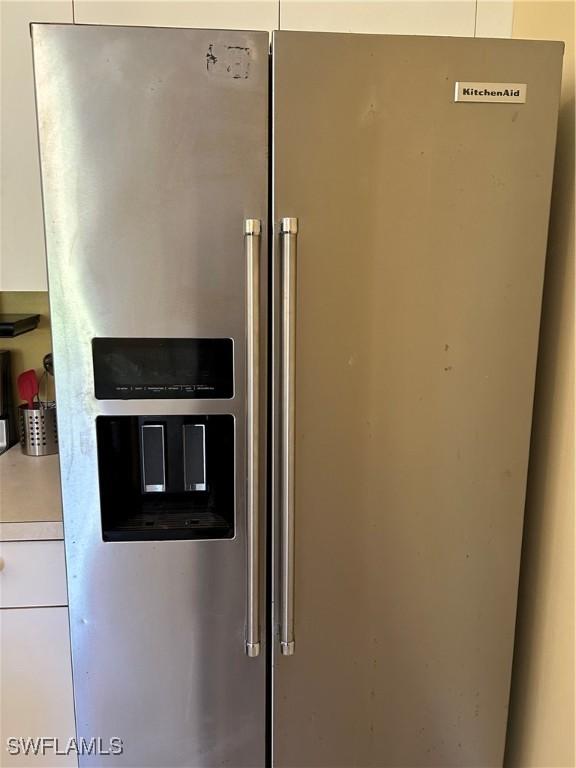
(136, 369)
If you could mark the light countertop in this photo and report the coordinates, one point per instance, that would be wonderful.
(30, 505)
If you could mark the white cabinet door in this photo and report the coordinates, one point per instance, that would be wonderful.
(205, 14)
(395, 17)
(22, 256)
(32, 574)
(494, 18)
(35, 685)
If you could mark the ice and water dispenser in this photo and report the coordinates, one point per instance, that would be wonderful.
(165, 476)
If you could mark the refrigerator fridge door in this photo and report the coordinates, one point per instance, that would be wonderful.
(154, 155)
(405, 337)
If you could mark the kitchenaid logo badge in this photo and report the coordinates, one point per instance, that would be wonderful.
(514, 93)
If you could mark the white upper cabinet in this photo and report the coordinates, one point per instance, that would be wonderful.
(494, 18)
(22, 255)
(207, 14)
(395, 17)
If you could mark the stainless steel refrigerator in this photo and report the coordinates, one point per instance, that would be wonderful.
(295, 296)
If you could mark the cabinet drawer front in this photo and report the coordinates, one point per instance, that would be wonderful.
(36, 687)
(33, 573)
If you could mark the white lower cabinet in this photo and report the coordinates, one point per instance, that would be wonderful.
(33, 574)
(36, 699)
(36, 687)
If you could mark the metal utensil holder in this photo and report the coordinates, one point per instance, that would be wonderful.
(38, 430)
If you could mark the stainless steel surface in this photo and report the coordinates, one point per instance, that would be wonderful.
(38, 430)
(150, 164)
(288, 235)
(252, 236)
(422, 234)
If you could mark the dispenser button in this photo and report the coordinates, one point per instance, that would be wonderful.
(153, 460)
(194, 437)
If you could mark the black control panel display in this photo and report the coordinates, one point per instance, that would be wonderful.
(137, 369)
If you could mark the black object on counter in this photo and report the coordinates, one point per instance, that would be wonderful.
(7, 409)
(14, 325)
(48, 363)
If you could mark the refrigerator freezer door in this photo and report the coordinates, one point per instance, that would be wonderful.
(154, 152)
(421, 241)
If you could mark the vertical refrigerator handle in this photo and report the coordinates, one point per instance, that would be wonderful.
(252, 231)
(288, 235)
